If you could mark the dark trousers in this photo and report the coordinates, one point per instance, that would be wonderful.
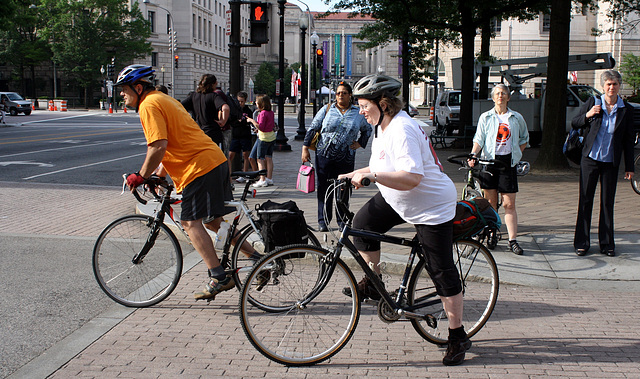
(327, 169)
(591, 172)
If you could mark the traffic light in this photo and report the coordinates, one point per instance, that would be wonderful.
(334, 70)
(342, 71)
(111, 71)
(319, 58)
(175, 61)
(259, 23)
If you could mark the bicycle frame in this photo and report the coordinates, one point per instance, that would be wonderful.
(344, 241)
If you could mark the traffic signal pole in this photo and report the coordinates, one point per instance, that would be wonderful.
(281, 138)
(234, 48)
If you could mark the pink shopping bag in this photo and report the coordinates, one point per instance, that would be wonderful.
(306, 179)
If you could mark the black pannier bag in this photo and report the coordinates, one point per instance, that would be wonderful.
(282, 224)
(472, 216)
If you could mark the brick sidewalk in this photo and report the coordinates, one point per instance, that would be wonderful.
(532, 332)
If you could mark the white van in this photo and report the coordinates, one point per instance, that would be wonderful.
(15, 104)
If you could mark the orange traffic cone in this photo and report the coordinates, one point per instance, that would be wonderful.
(125, 109)
(33, 107)
(110, 109)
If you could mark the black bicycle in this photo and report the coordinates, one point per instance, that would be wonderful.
(137, 259)
(309, 319)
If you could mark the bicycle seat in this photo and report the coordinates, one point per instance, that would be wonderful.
(249, 174)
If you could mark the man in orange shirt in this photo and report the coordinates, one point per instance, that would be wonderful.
(195, 163)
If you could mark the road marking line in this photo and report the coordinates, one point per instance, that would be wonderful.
(67, 136)
(72, 147)
(83, 166)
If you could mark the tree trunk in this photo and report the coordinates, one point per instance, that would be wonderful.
(405, 72)
(555, 105)
(485, 52)
(468, 34)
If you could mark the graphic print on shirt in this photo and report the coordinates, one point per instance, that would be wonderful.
(503, 137)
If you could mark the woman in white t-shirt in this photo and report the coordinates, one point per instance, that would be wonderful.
(501, 135)
(414, 189)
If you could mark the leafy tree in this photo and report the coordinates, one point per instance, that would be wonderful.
(87, 34)
(630, 68)
(462, 17)
(21, 46)
(265, 79)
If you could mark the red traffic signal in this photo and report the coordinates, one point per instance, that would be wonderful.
(319, 52)
(259, 21)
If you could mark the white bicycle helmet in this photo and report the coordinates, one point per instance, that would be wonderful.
(522, 168)
(374, 86)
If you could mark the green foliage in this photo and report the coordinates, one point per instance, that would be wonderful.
(86, 35)
(630, 68)
(265, 79)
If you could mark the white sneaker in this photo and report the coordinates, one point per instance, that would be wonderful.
(241, 180)
(260, 183)
(269, 182)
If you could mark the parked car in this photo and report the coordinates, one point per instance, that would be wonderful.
(446, 114)
(413, 111)
(15, 104)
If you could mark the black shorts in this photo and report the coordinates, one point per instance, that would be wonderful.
(242, 144)
(204, 197)
(504, 180)
(436, 240)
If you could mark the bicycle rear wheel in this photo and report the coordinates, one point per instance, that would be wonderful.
(250, 239)
(479, 275)
(635, 182)
(136, 284)
(309, 319)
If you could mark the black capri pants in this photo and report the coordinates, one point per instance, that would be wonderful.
(436, 242)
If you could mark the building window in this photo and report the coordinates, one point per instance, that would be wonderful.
(151, 16)
(193, 22)
(210, 43)
(546, 23)
(200, 28)
(154, 59)
(496, 26)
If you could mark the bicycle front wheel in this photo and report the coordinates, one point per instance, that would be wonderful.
(141, 284)
(635, 182)
(248, 242)
(309, 319)
(479, 276)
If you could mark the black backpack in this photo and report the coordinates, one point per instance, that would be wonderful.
(235, 117)
(472, 216)
(281, 224)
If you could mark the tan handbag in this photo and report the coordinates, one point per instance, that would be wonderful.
(316, 137)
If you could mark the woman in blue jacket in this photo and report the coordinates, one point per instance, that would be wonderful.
(501, 135)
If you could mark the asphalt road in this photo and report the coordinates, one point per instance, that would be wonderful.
(78, 148)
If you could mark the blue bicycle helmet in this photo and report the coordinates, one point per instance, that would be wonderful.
(136, 73)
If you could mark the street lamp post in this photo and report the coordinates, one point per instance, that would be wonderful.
(162, 70)
(281, 138)
(314, 39)
(303, 22)
(172, 47)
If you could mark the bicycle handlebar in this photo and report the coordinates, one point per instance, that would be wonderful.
(455, 159)
(150, 184)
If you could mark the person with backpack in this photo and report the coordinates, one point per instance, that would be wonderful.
(265, 123)
(241, 136)
(208, 109)
(609, 140)
(413, 189)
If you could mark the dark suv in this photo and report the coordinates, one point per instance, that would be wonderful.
(15, 104)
